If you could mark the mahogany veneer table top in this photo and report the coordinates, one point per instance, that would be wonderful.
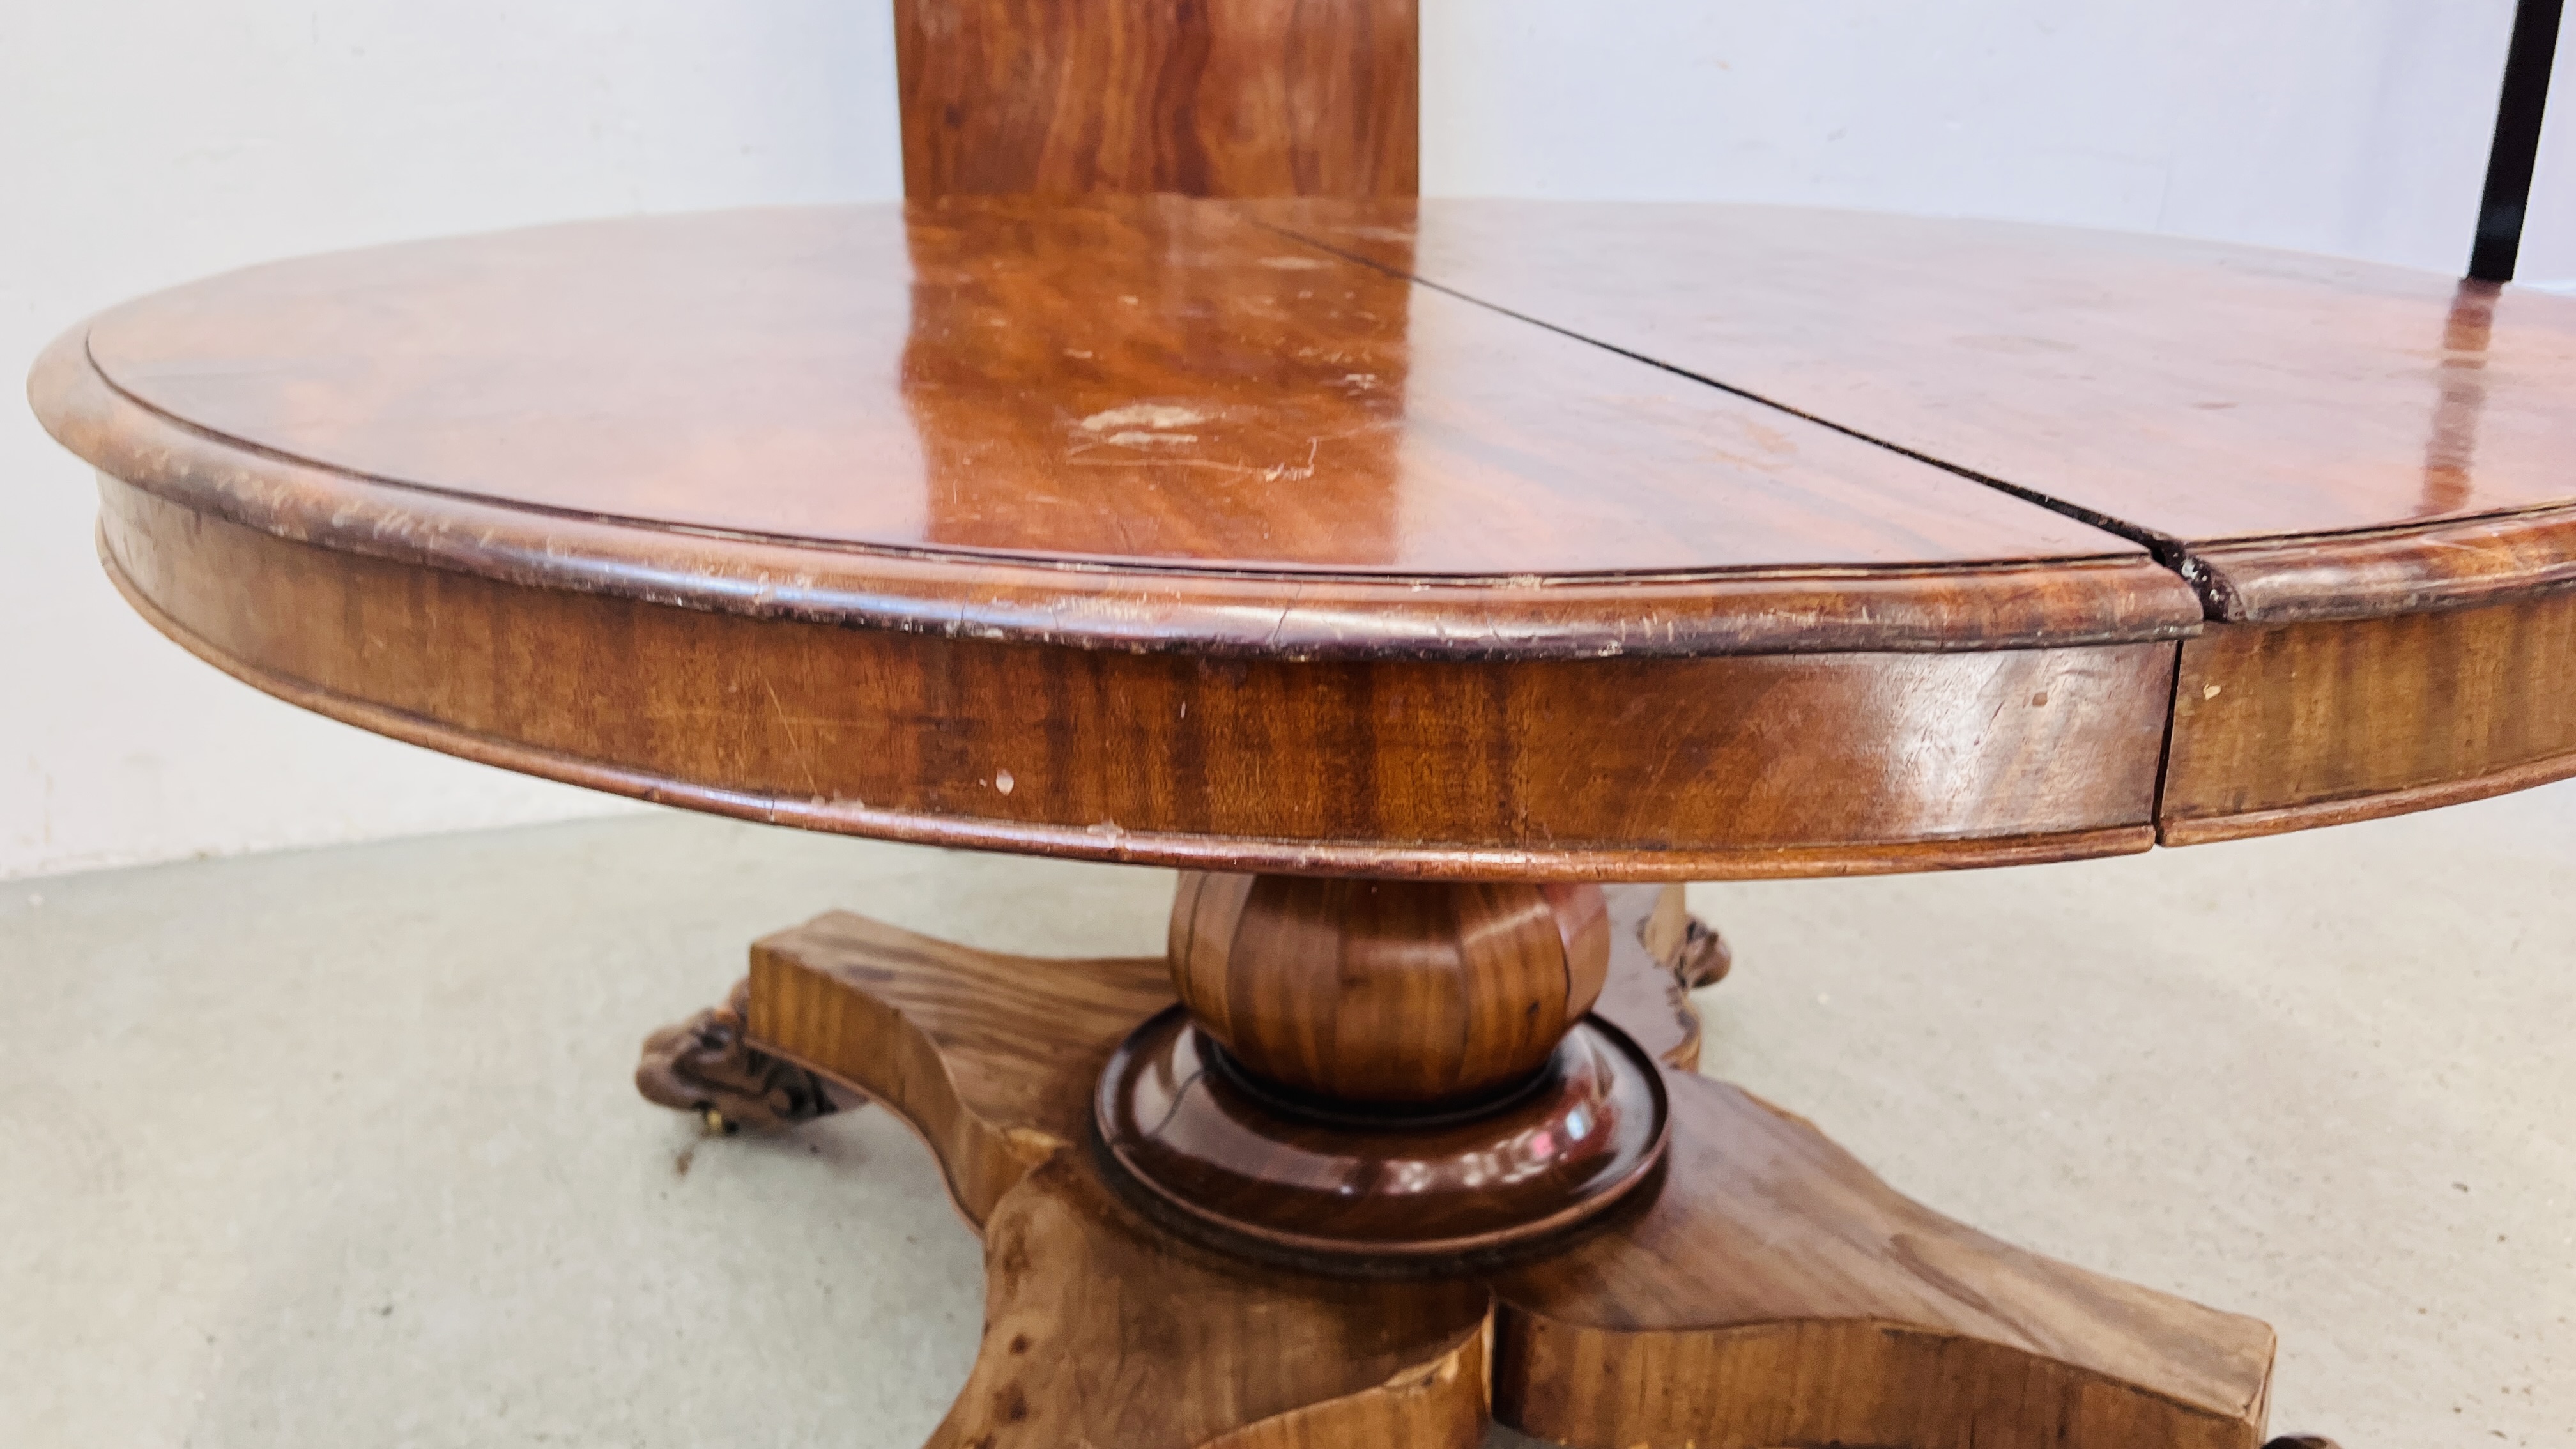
(1153, 386)
(1628, 541)
(2201, 397)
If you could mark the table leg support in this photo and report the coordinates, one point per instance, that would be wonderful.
(1775, 1292)
(1759, 1289)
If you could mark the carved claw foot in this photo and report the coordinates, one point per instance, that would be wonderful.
(708, 1066)
(1648, 991)
(1704, 958)
(1683, 943)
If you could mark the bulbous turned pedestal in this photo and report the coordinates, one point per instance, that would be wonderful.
(1382, 1070)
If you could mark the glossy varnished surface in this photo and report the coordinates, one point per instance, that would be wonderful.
(2365, 471)
(1546, 769)
(1187, 1133)
(2279, 726)
(2197, 392)
(1182, 428)
(1407, 995)
(1222, 98)
(944, 1034)
(1395, 1069)
(1194, 611)
(1764, 1290)
(1140, 381)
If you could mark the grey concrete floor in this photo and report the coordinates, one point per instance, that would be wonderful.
(337, 1148)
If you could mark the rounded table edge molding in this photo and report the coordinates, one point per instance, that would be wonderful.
(2115, 597)
(1176, 850)
(2336, 675)
(2449, 563)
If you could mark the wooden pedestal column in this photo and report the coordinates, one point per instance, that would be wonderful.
(1756, 1287)
(1388, 1071)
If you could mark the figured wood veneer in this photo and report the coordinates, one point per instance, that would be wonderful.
(1544, 769)
(1220, 613)
(1102, 1329)
(1399, 993)
(991, 1059)
(1202, 97)
(2282, 726)
(1767, 1291)
(1775, 1292)
(1321, 460)
(1146, 384)
(948, 1031)
(2196, 393)
(1384, 1069)
(2374, 460)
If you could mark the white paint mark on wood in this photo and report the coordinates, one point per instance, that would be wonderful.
(1153, 417)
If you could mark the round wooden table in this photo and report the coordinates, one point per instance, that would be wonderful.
(1403, 574)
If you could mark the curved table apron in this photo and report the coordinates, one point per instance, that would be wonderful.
(1364, 575)
(1399, 571)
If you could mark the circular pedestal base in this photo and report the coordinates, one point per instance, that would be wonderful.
(1187, 1127)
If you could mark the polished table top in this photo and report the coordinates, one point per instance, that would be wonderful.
(1150, 383)
(2185, 393)
(1392, 433)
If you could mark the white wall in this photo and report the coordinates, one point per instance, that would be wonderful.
(143, 142)
(2351, 126)
(2549, 231)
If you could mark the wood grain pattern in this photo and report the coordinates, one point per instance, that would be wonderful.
(1387, 1069)
(1330, 1180)
(991, 1058)
(1497, 492)
(1396, 993)
(946, 1033)
(1771, 1292)
(1548, 770)
(2191, 393)
(1202, 97)
(2454, 564)
(1775, 1292)
(2286, 726)
(1144, 383)
(1225, 614)
(1100, 1329)
(1008, 95)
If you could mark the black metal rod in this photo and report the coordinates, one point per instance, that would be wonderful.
(2517, 140)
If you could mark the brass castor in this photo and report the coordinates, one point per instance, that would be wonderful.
(707, 1065)
(1705, 957)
